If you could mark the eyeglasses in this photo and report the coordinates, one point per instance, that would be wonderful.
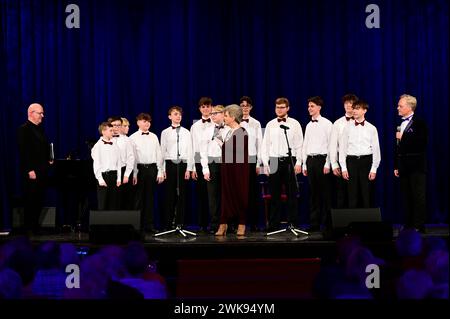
(215, 113)
(280, 107)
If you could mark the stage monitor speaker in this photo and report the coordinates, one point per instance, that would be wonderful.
(47, 219)
(363, 222)
(114, 226)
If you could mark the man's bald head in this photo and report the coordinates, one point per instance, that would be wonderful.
(35, 113)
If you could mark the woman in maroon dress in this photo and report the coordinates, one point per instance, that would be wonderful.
(234, 172)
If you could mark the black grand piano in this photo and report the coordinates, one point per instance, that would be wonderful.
(75, 186)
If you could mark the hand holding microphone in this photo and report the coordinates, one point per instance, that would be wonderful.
(398, 135)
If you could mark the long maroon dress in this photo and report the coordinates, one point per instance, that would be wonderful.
(235, 177)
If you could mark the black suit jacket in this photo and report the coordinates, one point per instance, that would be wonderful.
(34, 149)
(410, 153)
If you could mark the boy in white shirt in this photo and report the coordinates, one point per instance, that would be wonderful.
(360, 157)
(106, 157)
(148, 169)
(176, 148)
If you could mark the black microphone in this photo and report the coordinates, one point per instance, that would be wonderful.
(284, 127)
(399, 129)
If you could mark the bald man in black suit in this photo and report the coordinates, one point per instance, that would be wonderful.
(34, 151)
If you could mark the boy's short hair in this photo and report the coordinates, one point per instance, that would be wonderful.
(360, 104)
(317, 100)
(218, 108)
(175, 108)
(205, 101)
(114, 119)
(125, 121)
(246, 99)
(144, 116)
(103, 126)
(282, 100)
(349, 98)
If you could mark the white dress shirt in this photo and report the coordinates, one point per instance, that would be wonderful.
(212, 147)
(406, 120)
(254, 131)
(197, 133)
(359, 140)
(317, 139)
(336, 135)
(169, 146)
(106, 158)
(126, 150)
(274, 141)
(148, 150)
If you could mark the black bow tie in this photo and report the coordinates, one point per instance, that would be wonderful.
(362, 123)
(105, 142)
(407, 119)
(245, 120)
(145, 133)
(219, 127)
(281, 120)
(314, 121)
(116, 135)
(174, 127)
(349, 118)
(208, 120)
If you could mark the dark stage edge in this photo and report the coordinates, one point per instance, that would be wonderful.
(167, 250)
(204, 245)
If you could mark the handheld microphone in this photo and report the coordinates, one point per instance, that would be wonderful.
(399, 129)
(284, 127)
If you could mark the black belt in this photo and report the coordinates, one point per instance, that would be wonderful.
(215, 159)
(283, 159)
(109, 172)
(146, 165)
(317, 155)
(359, 156)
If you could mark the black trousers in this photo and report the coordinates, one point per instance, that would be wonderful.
(175, 194)
(340, 198)
(359, 185)
(319, 183)
(202, 195)
(145, 189)
(282, 175)
(253, 195)
(127, 194)
(413, 186)
(108, 197)
(214, 193)
(34, 192)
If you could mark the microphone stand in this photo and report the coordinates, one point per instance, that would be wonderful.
(290, 228)
(177, 228)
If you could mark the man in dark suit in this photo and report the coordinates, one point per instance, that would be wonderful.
(34, 151)
(410, 162)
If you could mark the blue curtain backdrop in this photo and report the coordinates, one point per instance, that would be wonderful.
(144, 56)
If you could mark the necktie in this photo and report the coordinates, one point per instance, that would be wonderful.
(219, 127)
(314, 121)
(105, 142)
(207, 120)
(362, 123)
(407, 119)
(245, 120)
(174, 127)
(115, 135)
(145, 133)
(281, 120)
(349, 118)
